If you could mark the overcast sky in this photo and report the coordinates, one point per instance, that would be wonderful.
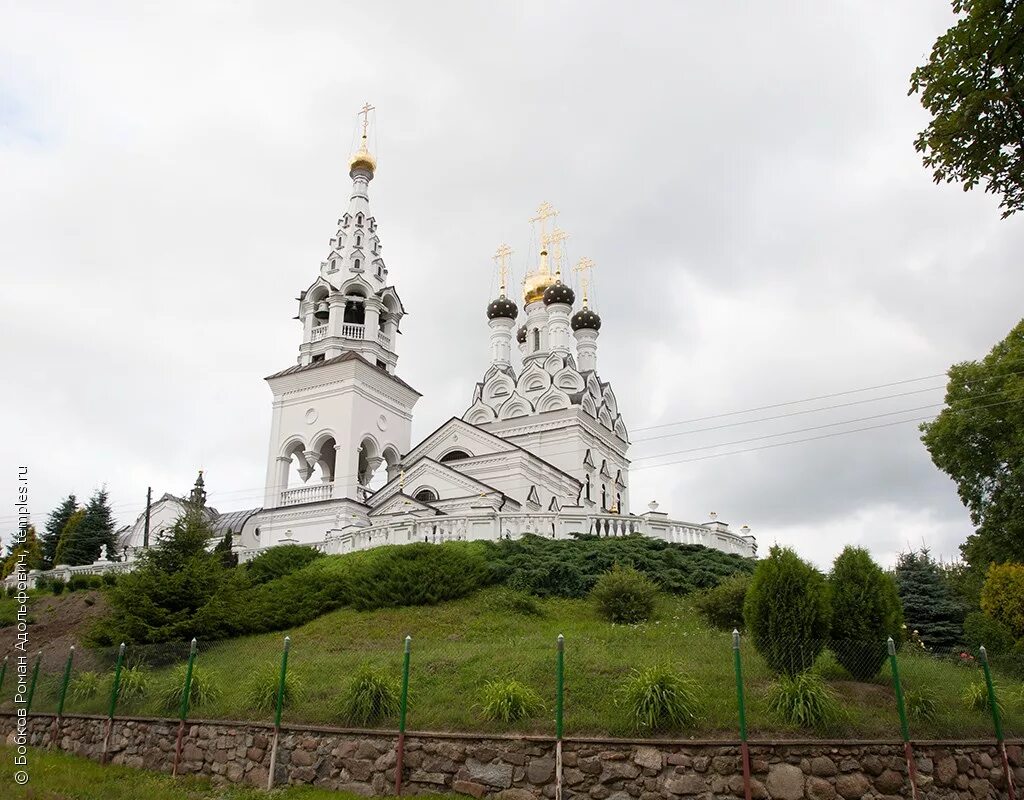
(743, 175)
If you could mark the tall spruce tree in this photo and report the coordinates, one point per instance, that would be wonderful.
(930, 606)
(93, 534)
(55, 527)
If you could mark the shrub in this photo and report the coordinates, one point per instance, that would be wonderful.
(204, 689)
(865, 612)
(57, 586)
(261, 690)
(803, 699)
(508, 701)
(921, 704)
(980, 629)
(624, 595)
(975, 696)
(86, 685)
(280, 561)
(1002, 596)
(722, 605)
(659, 699)
(787, 611)
(78, 582)
(134, 683)
(514, 601)
(370, 697)
(109, 579)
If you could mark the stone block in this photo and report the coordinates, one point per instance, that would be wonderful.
(619, 770)
(945, 770)
(476, 790)
(785, 782)
(853, 785)
(820, 789)
(647, 757)
(823, 767)
(423, 776)
(889, 782)
(540, 771)
(516, 794)
(688, 784)
(496, 775)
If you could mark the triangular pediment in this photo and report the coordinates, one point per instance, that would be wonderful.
(457, 433)
(426, 473)
(588, 459)
(401, 503)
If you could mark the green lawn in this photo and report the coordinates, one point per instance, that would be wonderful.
(57, 776)
(459, 645)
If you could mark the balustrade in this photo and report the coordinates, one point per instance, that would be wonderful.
(350, 330)
(307, 494)
(318, 333)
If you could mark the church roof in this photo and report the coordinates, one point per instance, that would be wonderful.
(232, 521)
(346, 356)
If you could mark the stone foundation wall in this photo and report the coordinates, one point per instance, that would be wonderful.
(523, 768)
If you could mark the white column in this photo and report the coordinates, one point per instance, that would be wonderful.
(559, 328)
(501, 341)
(586, 349)
(371, 318)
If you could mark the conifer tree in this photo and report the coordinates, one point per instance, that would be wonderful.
(55, 526)
(865, 612)
(29, 545)
(94, 532)
(68, 535)
(929, 605)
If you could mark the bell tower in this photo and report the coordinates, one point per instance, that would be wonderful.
(340, 412)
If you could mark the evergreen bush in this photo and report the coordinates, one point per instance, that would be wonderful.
(1002, 596)
(280, 561)
(787, 612)
(508, 701)
(722, 605)
(659, 699)
(514, 601)
(866, 611)
(930, 606)
(624, 595)
(57, 586)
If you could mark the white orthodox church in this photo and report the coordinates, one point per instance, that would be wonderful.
(541, 447)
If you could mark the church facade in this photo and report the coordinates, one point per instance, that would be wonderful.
(541, 446)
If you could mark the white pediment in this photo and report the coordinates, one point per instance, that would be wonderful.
(461, 434)
(444, 481)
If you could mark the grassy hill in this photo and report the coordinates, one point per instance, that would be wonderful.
(458, 645)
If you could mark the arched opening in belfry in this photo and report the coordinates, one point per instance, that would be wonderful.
(323, 472)
(454, 455)
(355, 309)
(367, 463)
(295, 470)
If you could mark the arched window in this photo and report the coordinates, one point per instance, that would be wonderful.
(454, 455)
(426, 495)
(588, 487)
(355, 264)
(536, 339)
(604, 497)
(334, 265)
(618, 503)
(359, 220)
(359, 240)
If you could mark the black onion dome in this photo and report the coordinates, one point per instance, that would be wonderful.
(559, 293)
(586, 318)
(521, 334)
(502, 307)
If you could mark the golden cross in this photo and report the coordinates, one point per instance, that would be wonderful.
(556, 237)
(501, 258)
(583, 266)
(545, 211)
(365, 111)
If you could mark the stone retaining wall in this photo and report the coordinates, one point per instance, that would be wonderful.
(523, 768)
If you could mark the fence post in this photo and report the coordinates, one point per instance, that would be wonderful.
(277, 715)
(741, 704)
(115, 690)
(58, 720)
(908, 750)
(183, 710)
(32, 686)
(403, 708)
(993, 704)
(559, 711)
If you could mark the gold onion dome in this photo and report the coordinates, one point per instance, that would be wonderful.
(536, 282)
(362, 159)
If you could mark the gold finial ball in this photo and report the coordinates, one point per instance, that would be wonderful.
(534, 286)
(362, 159)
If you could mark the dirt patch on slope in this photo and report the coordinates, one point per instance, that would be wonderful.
(58, 621)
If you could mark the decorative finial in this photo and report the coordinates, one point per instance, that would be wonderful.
(544, 213)
(362, 157)
(501, 258)
(556, 237)
(583, 266)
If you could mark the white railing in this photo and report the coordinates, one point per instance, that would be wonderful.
(514, 525)
(350, 330)
(383, 339)
(307, 494)
(318, 333)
